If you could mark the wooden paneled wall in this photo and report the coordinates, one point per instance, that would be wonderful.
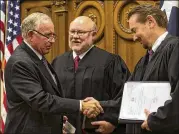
(111, 19)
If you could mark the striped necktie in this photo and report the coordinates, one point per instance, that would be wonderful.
(150, 52)
(47, 67)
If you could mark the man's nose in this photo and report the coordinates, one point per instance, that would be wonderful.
(52, 40)
(75, 35)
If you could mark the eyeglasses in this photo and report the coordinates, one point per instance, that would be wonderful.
(49, 36)
(79, 33)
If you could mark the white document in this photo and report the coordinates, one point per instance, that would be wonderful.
(138, 96)
(69, 128)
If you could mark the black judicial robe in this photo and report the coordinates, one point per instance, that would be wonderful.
(100, 75)
(163, 66)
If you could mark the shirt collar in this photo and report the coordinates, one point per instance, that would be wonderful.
(83, 54)
(37, 53)
(158, 41)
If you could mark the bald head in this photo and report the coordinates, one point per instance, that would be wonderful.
(82, 33)
(84, 22)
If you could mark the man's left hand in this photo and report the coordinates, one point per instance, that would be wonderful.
(145, 124)
(65, 118)
(104, 127)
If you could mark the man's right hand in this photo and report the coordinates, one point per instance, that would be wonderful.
(91, 108)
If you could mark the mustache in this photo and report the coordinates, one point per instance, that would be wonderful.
(75, 41)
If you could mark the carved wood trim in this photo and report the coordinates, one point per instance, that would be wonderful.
(99, 7)
(60, 5)
(121, 30)
(120, 16)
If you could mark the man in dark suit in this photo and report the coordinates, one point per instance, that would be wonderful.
(34, 95)
(100, 75)
(160, 63)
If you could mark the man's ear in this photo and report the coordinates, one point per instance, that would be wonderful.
(151, 21)
(29, 34)
(94, 33)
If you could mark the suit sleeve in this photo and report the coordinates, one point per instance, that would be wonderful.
(167, 117)
(25, 82)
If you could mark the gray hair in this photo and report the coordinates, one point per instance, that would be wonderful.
(33, 21)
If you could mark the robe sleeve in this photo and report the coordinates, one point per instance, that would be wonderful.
(116, 74)
(167, 117)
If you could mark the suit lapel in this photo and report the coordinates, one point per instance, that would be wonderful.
(42, 67)
(58, 89)
(48, 75)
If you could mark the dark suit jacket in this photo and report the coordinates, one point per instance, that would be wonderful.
(34, 103)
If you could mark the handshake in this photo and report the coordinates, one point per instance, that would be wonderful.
(91, 107)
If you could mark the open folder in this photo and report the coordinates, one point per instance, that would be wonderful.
(138, 96)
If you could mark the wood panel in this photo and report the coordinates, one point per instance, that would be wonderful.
(110, 16)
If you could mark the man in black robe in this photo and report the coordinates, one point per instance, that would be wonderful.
(148, 25)
(100, 74)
